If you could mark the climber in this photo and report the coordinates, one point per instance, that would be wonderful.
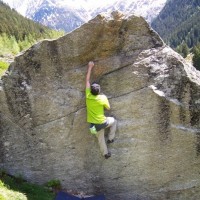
(96, 103)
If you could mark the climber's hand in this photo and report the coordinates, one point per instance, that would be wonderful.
(91, 64)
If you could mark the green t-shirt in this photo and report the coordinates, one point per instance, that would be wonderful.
(95, 107)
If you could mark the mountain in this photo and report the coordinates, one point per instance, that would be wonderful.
(59, 16)
(149, 9)
(70, 14)
(178, 22)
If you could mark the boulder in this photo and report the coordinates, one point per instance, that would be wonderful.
(154, 95)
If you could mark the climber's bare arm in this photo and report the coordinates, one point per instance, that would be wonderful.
(90, 66)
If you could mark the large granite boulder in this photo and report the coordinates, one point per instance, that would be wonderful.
(154, 95)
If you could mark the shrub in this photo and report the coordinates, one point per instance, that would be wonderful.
(3, 67)
(196, 57)
(54, 184)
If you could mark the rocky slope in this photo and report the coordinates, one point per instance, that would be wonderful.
(154, 95)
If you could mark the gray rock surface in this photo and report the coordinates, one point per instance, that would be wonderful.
(153, 93)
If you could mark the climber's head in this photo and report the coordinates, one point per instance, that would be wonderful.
(95, 89)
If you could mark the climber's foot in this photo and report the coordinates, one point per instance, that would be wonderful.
(107, 155)
(110, 141)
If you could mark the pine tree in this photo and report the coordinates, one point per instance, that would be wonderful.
(14, 45)
(185, 50)
(196, 57)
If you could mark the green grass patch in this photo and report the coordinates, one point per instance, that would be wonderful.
(17, 189)
(3, 68)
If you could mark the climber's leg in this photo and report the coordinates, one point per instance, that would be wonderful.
(102, 143)
(112, 123)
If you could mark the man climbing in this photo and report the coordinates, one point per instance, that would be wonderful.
(96, 103)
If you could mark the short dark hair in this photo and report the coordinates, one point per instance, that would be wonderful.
(95, 89)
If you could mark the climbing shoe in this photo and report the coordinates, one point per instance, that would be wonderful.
(110, 141)
(107, 155)
(93, 130)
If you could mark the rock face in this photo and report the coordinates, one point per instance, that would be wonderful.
(153, 93)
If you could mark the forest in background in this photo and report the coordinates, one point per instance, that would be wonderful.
(178, 25)
(18, 33)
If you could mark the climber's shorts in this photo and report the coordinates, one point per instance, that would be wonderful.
(109, 122)
(99, 126)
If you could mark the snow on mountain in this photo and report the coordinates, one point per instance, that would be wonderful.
(23, 6)
(69, 14)
(86, 4)
(149, 9)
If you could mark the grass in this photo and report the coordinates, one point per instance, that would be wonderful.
(6, 193)
(3, 68)
(12, 188)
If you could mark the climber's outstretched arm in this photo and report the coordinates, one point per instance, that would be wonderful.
(90, 66)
